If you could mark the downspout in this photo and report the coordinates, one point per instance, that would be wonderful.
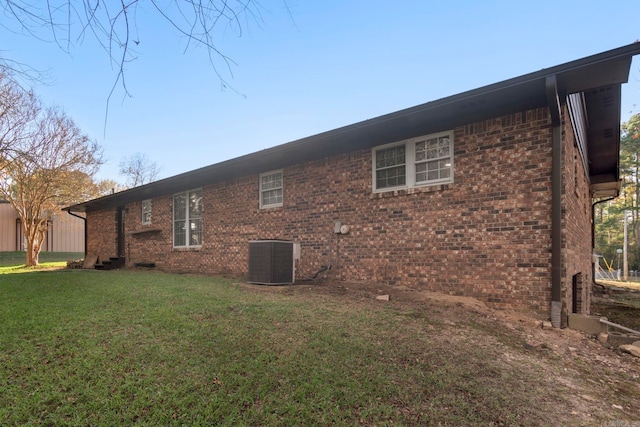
(85, 230)
(556, 201)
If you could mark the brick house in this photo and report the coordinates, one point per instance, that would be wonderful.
(488, 193)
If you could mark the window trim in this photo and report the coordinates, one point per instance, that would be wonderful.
(261, 191)
(410, 163)
(149, 212)
(186, 219)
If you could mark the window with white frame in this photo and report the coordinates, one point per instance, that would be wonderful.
(187, 219)
(146, 212)
(271, 189)
(425, 160)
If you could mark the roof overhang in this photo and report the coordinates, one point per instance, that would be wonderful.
(603, 143)
(605, 190)
(599, 77)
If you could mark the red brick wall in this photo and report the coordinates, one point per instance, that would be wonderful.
(486, 235)
(576, 239)
(101, 233)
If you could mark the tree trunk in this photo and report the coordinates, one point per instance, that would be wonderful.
(35, 232)
(32, 256)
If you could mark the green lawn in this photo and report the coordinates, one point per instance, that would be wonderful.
(47, 259)
(126, 347)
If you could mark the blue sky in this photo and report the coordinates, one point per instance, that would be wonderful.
(318, 66)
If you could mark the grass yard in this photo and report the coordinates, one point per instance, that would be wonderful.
(127, 347)
(15, 260)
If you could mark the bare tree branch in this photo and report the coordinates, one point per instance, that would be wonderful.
(112, 25)
(11, 67)
(138, 170)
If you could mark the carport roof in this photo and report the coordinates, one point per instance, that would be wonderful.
(598, 77)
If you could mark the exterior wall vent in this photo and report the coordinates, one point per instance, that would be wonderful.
(272, 262)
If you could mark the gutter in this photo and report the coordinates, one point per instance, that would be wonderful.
(551, 86)
(86, 238)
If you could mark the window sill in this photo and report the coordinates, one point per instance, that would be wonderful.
(412, 190)
(187, 249)
(145, 231)
(270, 207)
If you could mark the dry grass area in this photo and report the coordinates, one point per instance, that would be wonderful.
(586, 382)
(619, 303)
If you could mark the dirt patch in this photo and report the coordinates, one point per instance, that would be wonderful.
(600, 383)
(619, 303)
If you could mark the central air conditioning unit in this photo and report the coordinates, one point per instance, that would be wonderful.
(272, 262)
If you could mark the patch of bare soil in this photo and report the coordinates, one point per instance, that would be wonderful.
(619, 303)
(588, 383)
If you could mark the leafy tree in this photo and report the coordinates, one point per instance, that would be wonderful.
(89, 189)
(630, 170)
(609, 230)
(138, 170)
(105, 187)
(47, 162)
(610, 216)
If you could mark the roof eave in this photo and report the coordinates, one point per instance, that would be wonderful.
(512, 95)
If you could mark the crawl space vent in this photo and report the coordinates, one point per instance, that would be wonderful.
(271, 262)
